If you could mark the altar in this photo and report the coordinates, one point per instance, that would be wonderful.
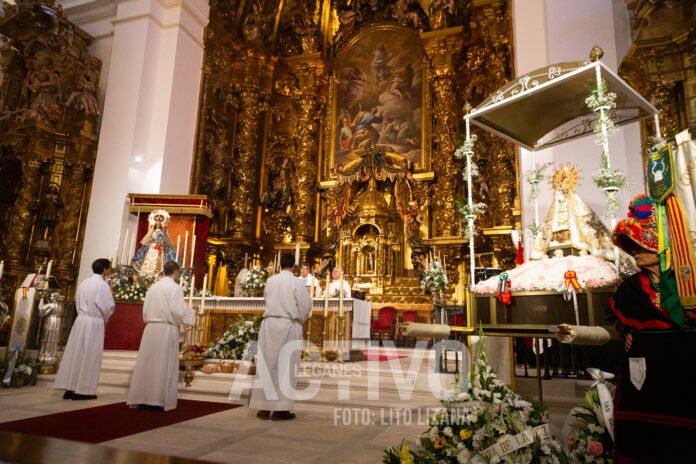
(223, 311)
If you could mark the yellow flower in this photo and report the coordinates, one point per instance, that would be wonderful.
(465, 433)
(405, 456)
(439, 443)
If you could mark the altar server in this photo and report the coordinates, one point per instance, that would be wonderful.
(335, 284)
(79, 370)
(280, 343)
(156, 372)
(309, 281)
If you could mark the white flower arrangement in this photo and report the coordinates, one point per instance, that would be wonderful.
(588, 440)
(255, 281)
(479, 413)
(534, 177)
(434, 279)
(238, 342)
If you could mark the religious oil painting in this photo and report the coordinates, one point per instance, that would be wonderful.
(379, 97)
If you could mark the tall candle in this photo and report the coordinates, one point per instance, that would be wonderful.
(311, 286)
(193, 250)
(340, 298)
(183, 257)
(205, 286)
(246, 256)
(297, 254)
(125, 247)
(178, 243)
(48, 271)
(193, 282)
(2, 268)
(326, 296)
(118, 242)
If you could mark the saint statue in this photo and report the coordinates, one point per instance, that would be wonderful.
(52, 312)
(157, 247)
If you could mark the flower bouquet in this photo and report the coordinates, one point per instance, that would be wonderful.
(254, 282)
(238, 342)
(588, 440)
(24, 372)
(484, 422)
(127, 285)
(434, 279)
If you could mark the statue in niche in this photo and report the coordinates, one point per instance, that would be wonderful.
(157, 248)
(218, 164)
(443, 14)
(408, 197)
(49, 207)
(84, 96)
(45, 89)
(278, 195)
(256, 25)
(349, 21)
(300, 34)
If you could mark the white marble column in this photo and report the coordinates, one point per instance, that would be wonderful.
(149, 114)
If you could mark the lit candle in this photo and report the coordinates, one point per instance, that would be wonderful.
(326, 296)
(297, 254)
(193, 250)
(2, 268)
(183, 257)
(48, 271)
(205, 285)
(193, 281)
(125, 247)
(178, 243)
(340, 298)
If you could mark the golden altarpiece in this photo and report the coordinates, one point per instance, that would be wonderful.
(48, 141)
(333, 124)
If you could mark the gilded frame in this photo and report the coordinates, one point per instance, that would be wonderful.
(330, 129)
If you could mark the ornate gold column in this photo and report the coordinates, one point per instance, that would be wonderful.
(310, 103)
(20, 229)
(254, 93)
(440, 47)
(72, 190)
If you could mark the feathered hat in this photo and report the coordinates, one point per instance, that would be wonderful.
(640, 227)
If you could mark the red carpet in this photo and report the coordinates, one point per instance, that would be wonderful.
(104, 423)
(372, 355)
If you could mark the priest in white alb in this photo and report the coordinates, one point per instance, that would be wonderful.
(336, 275)
(78, 373)
(156, 373)
(280, 343)
(310, 282)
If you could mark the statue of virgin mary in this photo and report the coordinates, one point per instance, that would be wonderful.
(156, 247)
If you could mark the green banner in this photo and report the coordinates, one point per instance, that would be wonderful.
(660, 173)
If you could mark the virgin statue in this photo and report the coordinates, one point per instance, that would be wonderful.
(156, 247)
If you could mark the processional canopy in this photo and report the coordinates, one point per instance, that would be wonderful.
(547, 106)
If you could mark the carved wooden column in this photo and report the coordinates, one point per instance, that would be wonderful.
(73, 187)
(20, 229)
(254, 93)
(310, 71)
(440, 47)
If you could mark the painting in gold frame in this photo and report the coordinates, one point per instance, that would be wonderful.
(377, 97)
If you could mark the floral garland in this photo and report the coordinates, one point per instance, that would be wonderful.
(254, 281)
(534, 177)
(481, 411)
(238, 342)
(610, 181)
(470, 211)
(589, 440)
(434, 279)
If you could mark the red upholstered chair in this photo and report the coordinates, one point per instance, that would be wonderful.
(456, 320)
(385, 323)
(408, 316)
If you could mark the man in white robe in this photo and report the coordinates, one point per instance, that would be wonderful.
(308, 280)
(335, 284)
(78, 373)
(280, 343)
(156, 374)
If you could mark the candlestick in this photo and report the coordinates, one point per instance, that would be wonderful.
(125, 247)
(340, 298)
(326, 296)
(205, 285)
(178, 243)
(297, 254)
(193, 250)
(183, 257)
(48, 271)
(193, 281)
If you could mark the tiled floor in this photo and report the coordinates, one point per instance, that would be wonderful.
(235, 435)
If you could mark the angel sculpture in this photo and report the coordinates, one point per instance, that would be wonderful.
(157, 247)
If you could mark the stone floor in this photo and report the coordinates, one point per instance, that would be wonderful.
(316, 436)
